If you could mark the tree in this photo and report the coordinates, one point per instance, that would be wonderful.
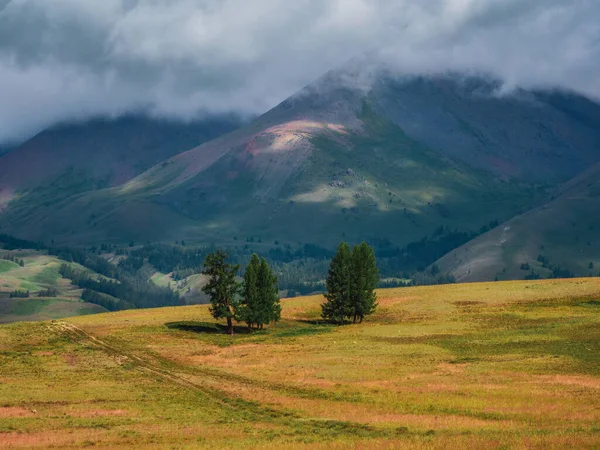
(222, 288)
(338, 303)
(250, 304)
(364, 277)
(268, 295)
(260, 302)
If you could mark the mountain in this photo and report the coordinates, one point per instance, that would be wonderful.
(76, 157)
(390, 162)
(560, 239)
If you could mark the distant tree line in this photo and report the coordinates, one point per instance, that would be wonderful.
(307, 251)
(417, 256)
(131, 292)
(19, 294)
(555, 271)
(13, 243)
(14, 259)
(84, 258)
(171, 258)
(50, 292)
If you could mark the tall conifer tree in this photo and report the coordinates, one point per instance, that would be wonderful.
(338, 304)
(250, 304)
(268, 294)
(260, 303)
(363, 281)
(222, 288)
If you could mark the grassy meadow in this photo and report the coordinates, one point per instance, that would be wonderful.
(496, 365)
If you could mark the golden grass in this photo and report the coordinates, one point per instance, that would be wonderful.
(496, 365)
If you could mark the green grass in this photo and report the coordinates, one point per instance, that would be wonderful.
(29, 286)
(504, 365)
(7, 266)
(30, 306)
(36, 308)
(47, 277)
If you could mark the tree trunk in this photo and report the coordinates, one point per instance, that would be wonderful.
(354, 320)
(229, 326)
(361, 319)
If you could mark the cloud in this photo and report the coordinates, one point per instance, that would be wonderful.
(68, 59)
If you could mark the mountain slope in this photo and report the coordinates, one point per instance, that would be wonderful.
(334, 162)
(100, 153)
(544, 137)
(558, 239)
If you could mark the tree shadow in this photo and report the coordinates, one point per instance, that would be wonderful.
(205, 327)
(314, 322)
(323, 322)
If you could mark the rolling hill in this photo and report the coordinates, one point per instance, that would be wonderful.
(390, 164)
(492, 365)
(38, 275)
(560, 238)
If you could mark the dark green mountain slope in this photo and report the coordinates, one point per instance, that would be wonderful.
(559, 239)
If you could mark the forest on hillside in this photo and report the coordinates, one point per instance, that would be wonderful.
(120, 276)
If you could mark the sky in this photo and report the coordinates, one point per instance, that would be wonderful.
(64, 60)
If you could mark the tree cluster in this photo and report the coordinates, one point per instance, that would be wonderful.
(131, 292)
(13, 243)
(255, 301)
(50, 292)
(19, 294)
(351, 283)
(84, 258)
(171, 258)
(14, 259)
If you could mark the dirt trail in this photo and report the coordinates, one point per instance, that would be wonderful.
(142, 364)
(229, 398)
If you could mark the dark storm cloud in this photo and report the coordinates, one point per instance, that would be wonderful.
(71, 59)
